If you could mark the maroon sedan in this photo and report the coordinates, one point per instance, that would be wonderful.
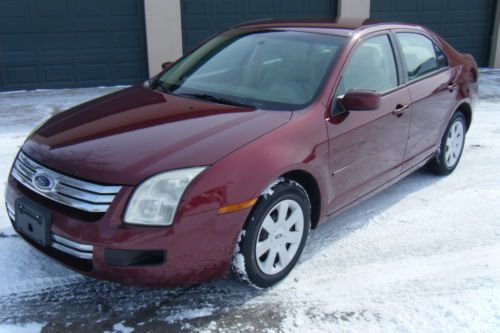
(233, 153)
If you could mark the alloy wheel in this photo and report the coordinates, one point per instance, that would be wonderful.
(454, 143)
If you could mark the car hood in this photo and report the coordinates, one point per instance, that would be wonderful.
(127, 136)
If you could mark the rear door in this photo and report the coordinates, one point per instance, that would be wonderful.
(432, 91)
(366, 148)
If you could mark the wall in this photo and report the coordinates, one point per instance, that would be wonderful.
(164, 33)
(354, 8)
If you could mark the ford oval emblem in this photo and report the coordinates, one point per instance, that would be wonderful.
(44, 182)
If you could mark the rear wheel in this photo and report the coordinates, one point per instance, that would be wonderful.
(452, 146)
(274, 238)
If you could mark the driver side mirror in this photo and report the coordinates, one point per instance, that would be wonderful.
(361, 100)
(166, 65)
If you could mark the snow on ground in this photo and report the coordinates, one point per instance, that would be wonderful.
(421, 256)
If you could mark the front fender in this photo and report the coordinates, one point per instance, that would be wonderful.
(301, 144)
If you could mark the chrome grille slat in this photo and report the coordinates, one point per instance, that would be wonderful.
(73, 244)
(17, 174)
(73, 252)
(101, 189)
(79, 250)
(10, 210)
(24, 169)
(90, 197)
(69, 191)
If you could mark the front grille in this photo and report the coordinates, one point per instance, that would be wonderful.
(66, 190)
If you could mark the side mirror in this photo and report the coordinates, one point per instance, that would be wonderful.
(361, 100)
(166, 65)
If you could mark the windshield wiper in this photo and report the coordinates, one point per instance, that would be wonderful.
(215, 99)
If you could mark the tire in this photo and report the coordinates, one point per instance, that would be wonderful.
(251, 263)
(451, 147)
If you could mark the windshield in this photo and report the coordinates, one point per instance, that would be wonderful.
(272, 69)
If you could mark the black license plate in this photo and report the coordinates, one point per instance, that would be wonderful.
(33, 221)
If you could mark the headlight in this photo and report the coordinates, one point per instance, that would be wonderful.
(155, 201)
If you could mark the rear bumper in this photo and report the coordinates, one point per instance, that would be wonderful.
(195, 249)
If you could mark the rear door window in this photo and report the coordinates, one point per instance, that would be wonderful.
(421, 55)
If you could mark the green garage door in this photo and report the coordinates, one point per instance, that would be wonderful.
(203, 18)
(71, 43)
(465, 24)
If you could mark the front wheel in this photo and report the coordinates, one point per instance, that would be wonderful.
(452, 146)
(275, 235)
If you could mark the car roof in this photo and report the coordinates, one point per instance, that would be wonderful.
(339, 26)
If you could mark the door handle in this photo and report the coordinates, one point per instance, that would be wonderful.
(451, 86)
(400, 109)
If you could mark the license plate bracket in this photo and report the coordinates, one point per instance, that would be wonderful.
(33, 221)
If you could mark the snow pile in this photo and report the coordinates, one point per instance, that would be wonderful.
(189, 314)
(24, 328)
(239, 260)
(121, 328)
(269, 189)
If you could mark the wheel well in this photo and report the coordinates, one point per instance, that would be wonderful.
(307, 181)
(467, 111)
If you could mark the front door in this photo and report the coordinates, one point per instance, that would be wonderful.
(366, 148)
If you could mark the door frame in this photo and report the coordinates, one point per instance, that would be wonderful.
(400, 66)
(407, 81)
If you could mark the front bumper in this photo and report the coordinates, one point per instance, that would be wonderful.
(196, 248)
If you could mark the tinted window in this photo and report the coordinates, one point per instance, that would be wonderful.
(371, 67)
(266, 69)
(420, 54)
(441, 57)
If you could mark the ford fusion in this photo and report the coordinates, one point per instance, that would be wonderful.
(229, 157)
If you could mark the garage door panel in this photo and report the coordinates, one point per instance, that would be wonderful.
(291, 7)
(406, 6)
(229, 7)
(21, 74)
(321, 8)
(17, 44)
(55, 44)
(130, 40)
(260, 7)
(432, 5)
(89, 41)
(125, 7)
(196, 7)
(126, 70)
(89, 8)
(14, 8)
(58, 73)
(72, 43)
(93, 73)
(456, 4)
(467, 25)
(203, 18)
(453, 31)
(52, 8)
